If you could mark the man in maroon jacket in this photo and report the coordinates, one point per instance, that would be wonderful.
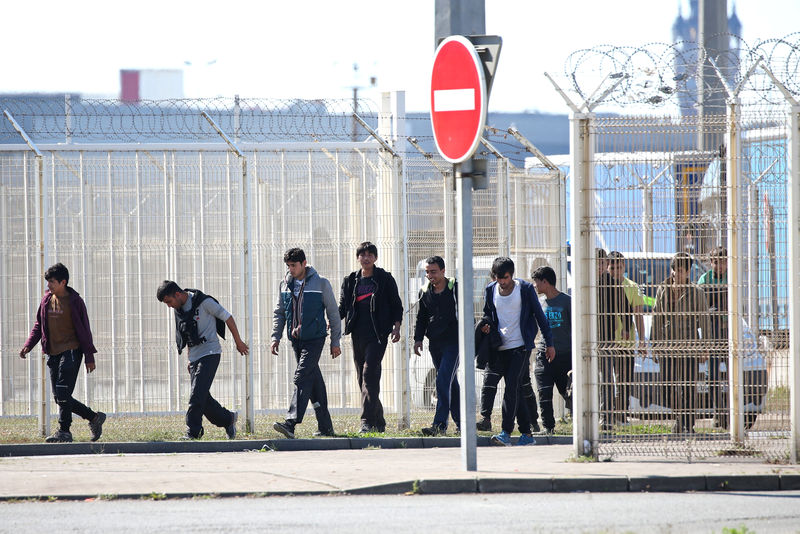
(62, 325)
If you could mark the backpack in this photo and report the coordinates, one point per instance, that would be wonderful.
(186, 333)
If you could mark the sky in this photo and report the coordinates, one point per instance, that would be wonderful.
(280, 49)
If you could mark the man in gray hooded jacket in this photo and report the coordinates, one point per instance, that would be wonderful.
(305, 298)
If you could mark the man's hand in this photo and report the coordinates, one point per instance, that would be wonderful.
(23, 352)
(90, 367)
(335, 352)
(274, 347)
(485, 329)
(242, 347)
(396, 333)
(550, 354)
(418, 348)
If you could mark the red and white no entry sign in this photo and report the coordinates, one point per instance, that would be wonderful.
(458, 99)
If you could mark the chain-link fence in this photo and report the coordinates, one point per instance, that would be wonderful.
(141, 194)
(683, 252)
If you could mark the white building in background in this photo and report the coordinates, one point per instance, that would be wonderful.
(150, 84)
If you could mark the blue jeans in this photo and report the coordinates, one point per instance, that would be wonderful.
(64, 368)
(309, 384)
(445, 360)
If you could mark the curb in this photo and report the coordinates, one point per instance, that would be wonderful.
(201, 446)
(617, 484)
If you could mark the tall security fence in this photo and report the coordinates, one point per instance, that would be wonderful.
(684, 251)
(210, 194)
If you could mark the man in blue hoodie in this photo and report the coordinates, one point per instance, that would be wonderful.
(305, 298)
(513, 306)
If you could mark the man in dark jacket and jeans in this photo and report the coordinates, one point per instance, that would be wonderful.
(513, 306)
(305, 298)
(371, 308)
(437, 317)
(63, 326)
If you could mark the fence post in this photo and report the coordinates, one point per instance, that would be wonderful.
(584, 274)
(247, 275)
(41, 244)
(793, 238)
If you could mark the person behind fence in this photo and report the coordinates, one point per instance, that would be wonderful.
(513, 306)
(612, 305)
(714, 283)
(680, 315)
(372, 311)
(549, 372)
(625, 338)
(199, 322)
(437, 318)
(304, 300)
(62, 325)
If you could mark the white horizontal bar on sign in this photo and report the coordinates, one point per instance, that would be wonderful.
(454, 100)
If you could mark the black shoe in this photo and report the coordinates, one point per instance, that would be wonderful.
(434, 430)
(535, 427)
(549, 431)
(484, 424)
(365, 429)
(189, 437)
(96, 425)
(59, 436)
(324, 434)
(285, 428)
(230, 430)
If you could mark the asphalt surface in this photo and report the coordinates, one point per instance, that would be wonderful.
(354, 466)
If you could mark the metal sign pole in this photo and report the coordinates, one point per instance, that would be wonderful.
(466, 334)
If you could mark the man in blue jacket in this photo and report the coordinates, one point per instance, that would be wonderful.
(305, 298)
(513, 306)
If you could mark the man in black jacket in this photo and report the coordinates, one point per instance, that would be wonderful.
(437, 318)
(371, 308)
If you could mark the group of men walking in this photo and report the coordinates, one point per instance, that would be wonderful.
(370, 308)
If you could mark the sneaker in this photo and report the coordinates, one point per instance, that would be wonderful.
(502, 439)
(59, 436)
(190, 437)
(549, 431)
(96, 425)
(535, 428)
(526, 439)
(230, 430)
(365, 429)
(285, 428)
(434, 430)
(484, 424)
(324, 434)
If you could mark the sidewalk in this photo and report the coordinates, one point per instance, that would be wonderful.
(385, 470)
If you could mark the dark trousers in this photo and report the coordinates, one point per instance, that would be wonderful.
(491, 378)
(680, 371)
(200, 400)
(718, 396)
(616, 369)
(64, 368)
(527, 411)
(309, 384)
(368, 357)
(510, 365)
(445, 360)
(549, 374)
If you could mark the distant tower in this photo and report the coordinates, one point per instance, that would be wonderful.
(686, 34)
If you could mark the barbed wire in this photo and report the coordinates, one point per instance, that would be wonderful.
(660, 74)
(54, 118)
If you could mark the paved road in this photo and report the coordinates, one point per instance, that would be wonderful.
(774, 512)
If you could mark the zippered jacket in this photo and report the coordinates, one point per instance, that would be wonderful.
(437, 322)
(80, 320)
(385, 305)
(317, 301)
(532, 317)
